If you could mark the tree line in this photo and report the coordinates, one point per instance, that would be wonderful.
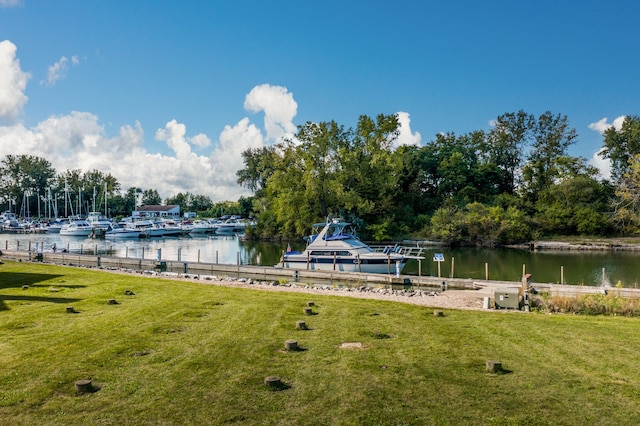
(513, 183)
(31, 187)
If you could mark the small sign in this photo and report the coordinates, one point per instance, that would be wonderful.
(438, 257)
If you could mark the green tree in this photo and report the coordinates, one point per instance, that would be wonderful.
(627, 203)
(621, 146)
(22, 175)
(506, 143)
(151, 197)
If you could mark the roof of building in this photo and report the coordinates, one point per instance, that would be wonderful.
(156, 208)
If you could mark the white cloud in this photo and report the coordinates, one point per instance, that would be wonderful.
(278, 106)
(406, 137)
(13, 82)
(601, 125)
(78, 140)
(58, 71)
(602, 164)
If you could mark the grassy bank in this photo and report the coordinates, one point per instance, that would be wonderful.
(188, 353)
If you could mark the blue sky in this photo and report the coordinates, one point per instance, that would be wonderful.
(167, 94)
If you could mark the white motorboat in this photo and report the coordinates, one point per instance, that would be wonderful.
(233, 226)
(99, 220)
(55, 226)
(337, 248)
(122, 232)
(196, 227)
(76, 228)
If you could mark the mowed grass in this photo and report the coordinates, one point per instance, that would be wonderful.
(178, 353)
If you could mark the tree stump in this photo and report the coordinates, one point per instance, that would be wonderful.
(438, 313)
(308, 311)
(129, 293)
(494, 366)
(301, 325)
(71, 310)
(112, 302)
(310, 304)
(273, 382)
(291, 345)
(84, 386)
(25, 287)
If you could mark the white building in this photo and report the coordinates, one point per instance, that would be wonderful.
(168, 212)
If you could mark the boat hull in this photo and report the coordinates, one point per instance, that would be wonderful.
(367, 266)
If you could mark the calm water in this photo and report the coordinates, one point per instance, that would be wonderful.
(583, 268)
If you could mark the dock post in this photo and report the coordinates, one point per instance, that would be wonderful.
(453, 263)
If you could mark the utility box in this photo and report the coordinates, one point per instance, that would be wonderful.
(507, 298)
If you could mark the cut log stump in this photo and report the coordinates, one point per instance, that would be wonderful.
(310, 304)
(273, 382)
(112, 302)
(494, 366)
(301, 325)
(84, 386)
(308, 311)
(291, 345)
(438, 313)
(71, 310)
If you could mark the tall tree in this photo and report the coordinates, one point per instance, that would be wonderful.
(551, 138)
(151, 197)
(621, 146)
(25, 174)
(506, 144)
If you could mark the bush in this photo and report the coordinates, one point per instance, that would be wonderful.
(589, 304)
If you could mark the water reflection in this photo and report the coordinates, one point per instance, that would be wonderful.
(581, 268)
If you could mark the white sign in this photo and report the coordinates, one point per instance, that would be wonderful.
(438, 257)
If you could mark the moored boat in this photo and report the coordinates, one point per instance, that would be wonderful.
(337, 248)
(76, 228)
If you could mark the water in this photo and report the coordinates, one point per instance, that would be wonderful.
(579, 267)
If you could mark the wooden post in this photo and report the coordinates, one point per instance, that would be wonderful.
(561, 275)
(283, 258)
(494, 366)
(84, 386)
(486, 271)
(291, 345)
(198, 255)
(389, 264)
(453, 262)
(273, 382)
(334, 260)
(308, 260)
(359, 267)
(603, 277)
(238, 258)
(419, 267)
(524, 270)
(438, 269)
(216, 257)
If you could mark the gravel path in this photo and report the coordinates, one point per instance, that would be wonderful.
(449, 299)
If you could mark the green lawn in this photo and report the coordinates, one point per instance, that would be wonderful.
(178, 353)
